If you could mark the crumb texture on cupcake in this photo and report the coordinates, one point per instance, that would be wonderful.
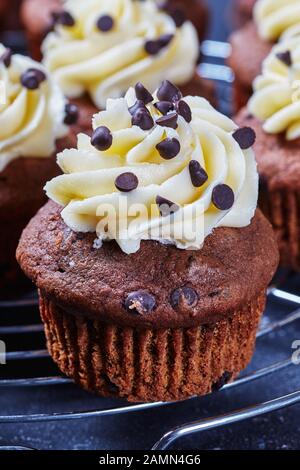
(32, 109)
(164, 165)
(103, 48)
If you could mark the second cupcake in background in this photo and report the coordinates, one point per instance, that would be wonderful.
(33, 117)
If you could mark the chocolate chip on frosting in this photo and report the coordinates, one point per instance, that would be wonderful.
(105, 23)
(6, 57)
(184, 110)
(223, 197)
(65, 18)
(245, 137)
(32, 78)
(142, 93)
(143, 119)
(71, 114)
(184, 297)
(166, 207)
(168, 92)
(285, 57)
(139, 104)
(168, 148)
(102, 138)
(154, 46)
(126, 182)
(140, 302)
(197, 173)
(164, 106)
(169, 120)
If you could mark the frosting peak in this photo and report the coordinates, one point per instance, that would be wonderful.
(275, 17)
(102, 48)
(171, 170)
(32, 109)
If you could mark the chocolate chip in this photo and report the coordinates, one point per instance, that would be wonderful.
(105, 23)
(6, 57)
(142, 93)
(223, 197)
(32, 78)
(184, 110)
(169, 120)
(143, 119)
(166, 207)
(153, 46)
(71, 114)
(126, 182)
(140, 302)
(184, 297)
(164, 106)
(197, 173)
(223, 380)
(285, 57)
(168, 92)
(168, 148)
(137, 105)
(65, 18)
(165, 40)
(245, 137)
(102, 138)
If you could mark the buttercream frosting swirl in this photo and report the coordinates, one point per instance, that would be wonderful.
(276, 98)
(30, 119)
(86, 59)
(89, 192)
(275, 17)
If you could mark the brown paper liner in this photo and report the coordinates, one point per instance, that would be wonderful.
(149, 365)
(282, 208)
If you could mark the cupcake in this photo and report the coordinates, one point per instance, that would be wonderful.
(151, 259)
(98, 50)
(274, 113)
(32, 131)
(272, 21)
(243, 11)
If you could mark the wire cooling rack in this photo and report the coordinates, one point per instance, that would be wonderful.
(19, 325)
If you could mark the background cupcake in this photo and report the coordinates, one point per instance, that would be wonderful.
(32, 129)
(165, 304)
(275, 115)
(243, 11)
(98, 50)
(252, 44)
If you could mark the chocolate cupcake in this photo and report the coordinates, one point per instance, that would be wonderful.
(98, 50)
(243, 11)
(153, 277)
(274, 113)
(272, 21)
(32, 131)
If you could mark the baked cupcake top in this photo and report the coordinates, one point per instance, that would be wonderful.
(32, 109)
(159, 167)
(102, 48)
(275, 17)
(276, 99)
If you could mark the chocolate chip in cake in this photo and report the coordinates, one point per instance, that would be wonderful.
(105, 23)
(245, 137)
(143, 119)
(168, 148)
(197, 173)
(223, 380)
(140, 302)
(142, 93)
(164, 106)
(6, 57)
(285, 57)
(168, 92)
(126, 182)
(102, 138)
(185, 297)
(65, 18)
(184, 110)
(32, 78)
(169, 120)
(223, 197)
(165, 206)
(71, 114)
(139, 104)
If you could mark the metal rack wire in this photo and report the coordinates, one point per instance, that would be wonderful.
(277, 294)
